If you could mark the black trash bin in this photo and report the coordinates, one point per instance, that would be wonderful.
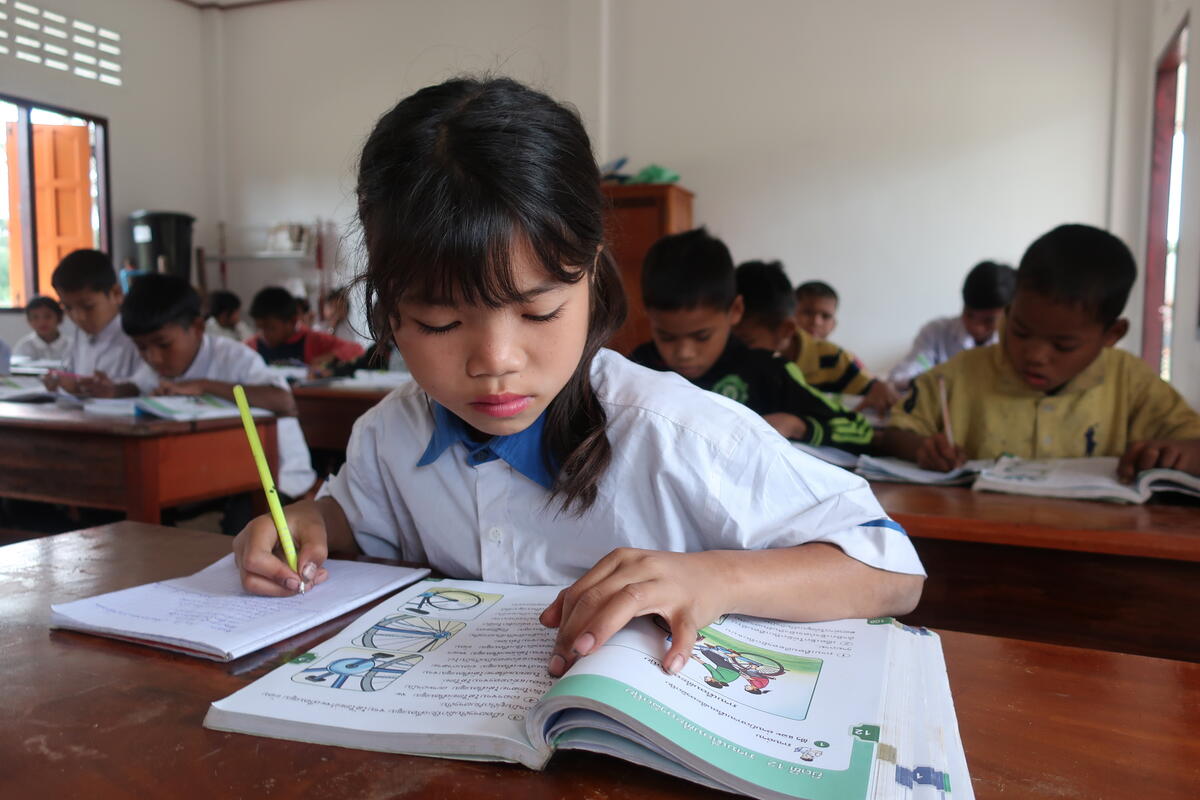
(163, 233)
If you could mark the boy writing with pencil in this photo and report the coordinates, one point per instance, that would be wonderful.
(690, 293)
(100, 352)
(1053, 387)
(162, 316)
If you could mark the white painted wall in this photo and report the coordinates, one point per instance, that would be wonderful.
(155, 119)
(304, 82)
(884, 147)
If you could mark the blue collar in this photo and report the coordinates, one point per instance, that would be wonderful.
(522, 451)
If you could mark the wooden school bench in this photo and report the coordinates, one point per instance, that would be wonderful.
(139, 466)
(86, 716)
(1074, 572)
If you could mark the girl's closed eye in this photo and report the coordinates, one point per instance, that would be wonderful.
(436, 329)
(553, 315)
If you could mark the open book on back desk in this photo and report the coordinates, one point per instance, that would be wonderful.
(210, 615)
(879, 468)
(1081, 478)
(457, 669)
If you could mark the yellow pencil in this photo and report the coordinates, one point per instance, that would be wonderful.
(264, 472)
(945, 410)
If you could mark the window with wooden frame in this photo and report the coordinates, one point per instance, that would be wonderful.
(54, 171)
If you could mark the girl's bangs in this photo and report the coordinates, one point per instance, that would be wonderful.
(452, 259)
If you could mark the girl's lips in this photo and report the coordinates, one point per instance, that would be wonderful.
(501, 405)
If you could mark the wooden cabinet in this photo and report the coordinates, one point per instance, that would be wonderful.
(639, 215)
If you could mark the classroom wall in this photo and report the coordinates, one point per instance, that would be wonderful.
(1185, 344)
(302, 84)
(884, 147)
(155, 119)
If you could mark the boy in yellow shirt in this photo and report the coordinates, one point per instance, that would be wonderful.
(1053, 387)
(770, 323)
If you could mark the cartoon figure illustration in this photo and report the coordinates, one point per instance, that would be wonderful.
(725, 666)
(363, 672)
(809, 754)
(409, 634)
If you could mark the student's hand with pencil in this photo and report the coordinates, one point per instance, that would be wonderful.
(98, 385)
(1181, 454)
(256, 548)
(937, 453)
(685, 589)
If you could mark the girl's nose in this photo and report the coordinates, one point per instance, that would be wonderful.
(498, 351)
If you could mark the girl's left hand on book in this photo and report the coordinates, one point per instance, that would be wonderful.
(685, 589)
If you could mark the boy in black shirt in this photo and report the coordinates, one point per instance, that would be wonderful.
(690, 294)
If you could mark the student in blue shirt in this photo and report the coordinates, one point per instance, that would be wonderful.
(522, 451)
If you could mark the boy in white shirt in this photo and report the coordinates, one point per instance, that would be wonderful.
(100, 353)
(225, 317)
(986, 292)
(162, 316)
(46, 342)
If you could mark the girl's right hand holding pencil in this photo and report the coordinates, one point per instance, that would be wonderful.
(937, 453)
(260, 562)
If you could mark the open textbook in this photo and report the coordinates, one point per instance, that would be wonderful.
(1081, 478)
(457, 669)
(23, 387)
(209, 614)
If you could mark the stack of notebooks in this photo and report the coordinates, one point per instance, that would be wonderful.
(457, 669)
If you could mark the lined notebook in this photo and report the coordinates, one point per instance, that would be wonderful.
(209, 615)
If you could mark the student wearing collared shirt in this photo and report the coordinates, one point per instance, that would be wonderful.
(691, 297)
(987, 290)
(769, 322)
(162, 316)
(100, 352)
(1054, 387)
(46, 342)
(282, 339)
(225, 317)
(524, 452)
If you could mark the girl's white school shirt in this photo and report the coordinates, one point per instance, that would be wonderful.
(690, 471)
(220, 359)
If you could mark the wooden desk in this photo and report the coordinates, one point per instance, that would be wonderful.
(86, 716)
(137, 466)
(328, 413)
(1086, 574)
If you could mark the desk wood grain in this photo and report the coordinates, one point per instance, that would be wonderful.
(86, 716)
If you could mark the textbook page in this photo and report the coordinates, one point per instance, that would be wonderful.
(22, 387)
(191, 407)
(209, 614)
(886, 468)
(1080, 478)
(782, 709)
(830, 455)
(445, 668)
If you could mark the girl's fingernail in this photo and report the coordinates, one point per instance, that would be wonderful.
(557, 665)
(309, 570)
(584, 644)
(292, 585)
(675, 664)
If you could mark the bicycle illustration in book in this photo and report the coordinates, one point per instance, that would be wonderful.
(408, 633)
(449, 601)
(357, 670)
